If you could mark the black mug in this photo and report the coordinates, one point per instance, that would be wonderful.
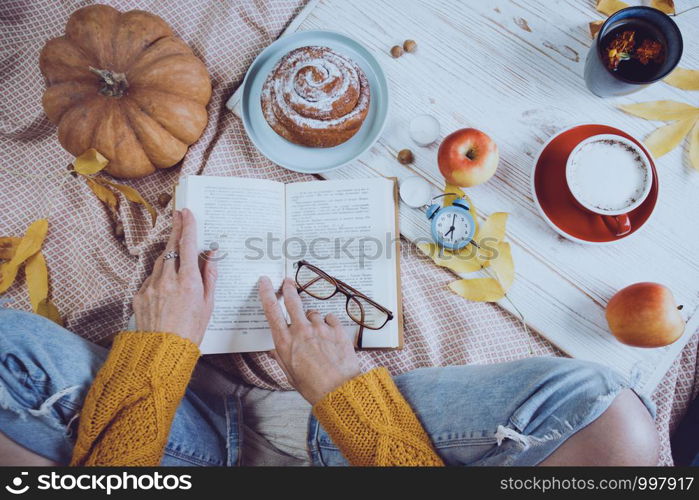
(604, 82)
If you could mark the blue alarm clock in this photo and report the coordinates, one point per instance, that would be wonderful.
(453, 226)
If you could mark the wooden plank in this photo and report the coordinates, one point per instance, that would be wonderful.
(514, 70)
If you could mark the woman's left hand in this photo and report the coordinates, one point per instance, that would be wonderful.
(178, 297)
(315, 353)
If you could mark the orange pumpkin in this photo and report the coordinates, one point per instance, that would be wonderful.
(124, 84)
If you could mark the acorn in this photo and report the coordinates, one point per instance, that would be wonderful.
(119, 230)
(164, 199)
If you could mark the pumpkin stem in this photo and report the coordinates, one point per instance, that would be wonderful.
(113, 84)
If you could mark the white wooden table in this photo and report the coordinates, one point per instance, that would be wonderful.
(514, 69)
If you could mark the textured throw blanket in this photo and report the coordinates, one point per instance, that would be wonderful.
(94, 275)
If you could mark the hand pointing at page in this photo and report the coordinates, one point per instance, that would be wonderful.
(314, 352)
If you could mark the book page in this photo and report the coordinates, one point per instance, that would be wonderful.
(347, 229)
(245, 219)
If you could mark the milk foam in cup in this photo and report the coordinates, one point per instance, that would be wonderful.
(609, 174)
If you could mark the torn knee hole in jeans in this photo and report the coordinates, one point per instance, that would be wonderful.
(564, 426)
(524, 440)
(44, 409)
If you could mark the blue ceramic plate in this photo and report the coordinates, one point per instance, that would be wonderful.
(302, 158)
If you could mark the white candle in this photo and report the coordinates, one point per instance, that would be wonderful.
(415, 191)
(424, 129)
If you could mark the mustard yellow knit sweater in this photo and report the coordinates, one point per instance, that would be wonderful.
(129, 409)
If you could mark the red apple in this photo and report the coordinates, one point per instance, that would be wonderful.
(645, 315)
(467, 157)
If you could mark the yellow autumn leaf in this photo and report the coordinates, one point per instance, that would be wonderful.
(132, 195)
(30, 244)
(103, 193)
(90, 162)
(685, 79)
(595, 26)
(462, 262)
(451, 188)
(503, 266)
(666, 6)
(494, 227)
(609, 7)
(694, 146)
(37, 276)
(47, 309)
(478, 289)
(8, 247)
(664, 139)
(661, 110)
(489, 235)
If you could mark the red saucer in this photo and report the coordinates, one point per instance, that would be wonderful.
(556, 201)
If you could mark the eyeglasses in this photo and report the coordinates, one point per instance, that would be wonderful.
(360, 308)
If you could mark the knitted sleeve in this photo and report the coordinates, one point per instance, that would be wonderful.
(373, 425)
(129, 408)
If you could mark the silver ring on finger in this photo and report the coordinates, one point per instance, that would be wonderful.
(172, 254)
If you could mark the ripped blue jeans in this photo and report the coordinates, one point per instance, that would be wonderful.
(514, 413)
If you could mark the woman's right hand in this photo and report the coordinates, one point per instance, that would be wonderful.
(178, 296)
(315, 353)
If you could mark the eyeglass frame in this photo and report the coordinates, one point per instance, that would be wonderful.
(349, 292)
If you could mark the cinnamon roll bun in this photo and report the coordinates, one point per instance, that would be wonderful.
(315, 97)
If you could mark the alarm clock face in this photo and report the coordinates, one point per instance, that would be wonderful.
(453, 228)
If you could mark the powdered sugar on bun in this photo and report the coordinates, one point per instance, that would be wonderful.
(315, 97)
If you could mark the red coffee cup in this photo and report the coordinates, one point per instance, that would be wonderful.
(610, 176)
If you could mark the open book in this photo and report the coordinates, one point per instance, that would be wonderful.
(347, 228)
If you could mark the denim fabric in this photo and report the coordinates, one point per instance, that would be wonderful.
(514, 413)
(45, 373)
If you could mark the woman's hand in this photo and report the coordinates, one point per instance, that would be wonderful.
(315, 353)
(178, 296)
